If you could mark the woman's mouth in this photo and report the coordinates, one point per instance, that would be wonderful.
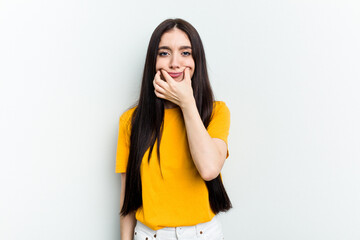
(175, 74)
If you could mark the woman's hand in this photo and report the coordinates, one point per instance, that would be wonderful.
(180, 93)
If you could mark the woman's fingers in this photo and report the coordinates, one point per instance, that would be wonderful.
(170, 89)
(167, 77)
(159, 94)
(158, 86)
(187, 74)
(159, 83)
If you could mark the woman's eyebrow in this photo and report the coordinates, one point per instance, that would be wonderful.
(184, 47)
(168, 48)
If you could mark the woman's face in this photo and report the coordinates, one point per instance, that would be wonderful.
(175, 54)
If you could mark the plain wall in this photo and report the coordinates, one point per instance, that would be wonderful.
(288, 71)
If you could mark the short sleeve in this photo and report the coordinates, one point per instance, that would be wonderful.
(123, 144)
(220, 123)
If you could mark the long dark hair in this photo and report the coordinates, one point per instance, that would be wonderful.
(147, 118)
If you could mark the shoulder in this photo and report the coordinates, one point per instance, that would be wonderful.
(127, 115)
(220, 106)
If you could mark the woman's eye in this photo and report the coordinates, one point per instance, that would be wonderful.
(163, 53)
(187, 53)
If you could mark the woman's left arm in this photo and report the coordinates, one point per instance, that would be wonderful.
(208, 153)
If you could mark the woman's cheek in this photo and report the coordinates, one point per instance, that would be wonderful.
(192, 70)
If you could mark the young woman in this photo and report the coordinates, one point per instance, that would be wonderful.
(173, 144)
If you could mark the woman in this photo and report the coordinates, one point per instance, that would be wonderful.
(173, 144)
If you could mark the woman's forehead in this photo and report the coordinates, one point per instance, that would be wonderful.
(174, 38)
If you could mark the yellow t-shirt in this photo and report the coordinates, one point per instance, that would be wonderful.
(180, 196)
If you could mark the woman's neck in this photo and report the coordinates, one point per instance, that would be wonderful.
(169, 104)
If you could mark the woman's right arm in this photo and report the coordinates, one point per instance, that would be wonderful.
(127, 223)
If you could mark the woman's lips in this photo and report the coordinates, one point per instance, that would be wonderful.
(175, 74)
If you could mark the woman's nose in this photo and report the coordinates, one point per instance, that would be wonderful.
(174, 62)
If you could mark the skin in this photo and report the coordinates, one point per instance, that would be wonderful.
(175, 55)
(208, 153)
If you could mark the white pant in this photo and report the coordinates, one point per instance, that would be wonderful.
(203, 231)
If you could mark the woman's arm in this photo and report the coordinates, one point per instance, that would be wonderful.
(208, 153)
(127, 223)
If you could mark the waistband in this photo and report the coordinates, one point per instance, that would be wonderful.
(172, 232)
